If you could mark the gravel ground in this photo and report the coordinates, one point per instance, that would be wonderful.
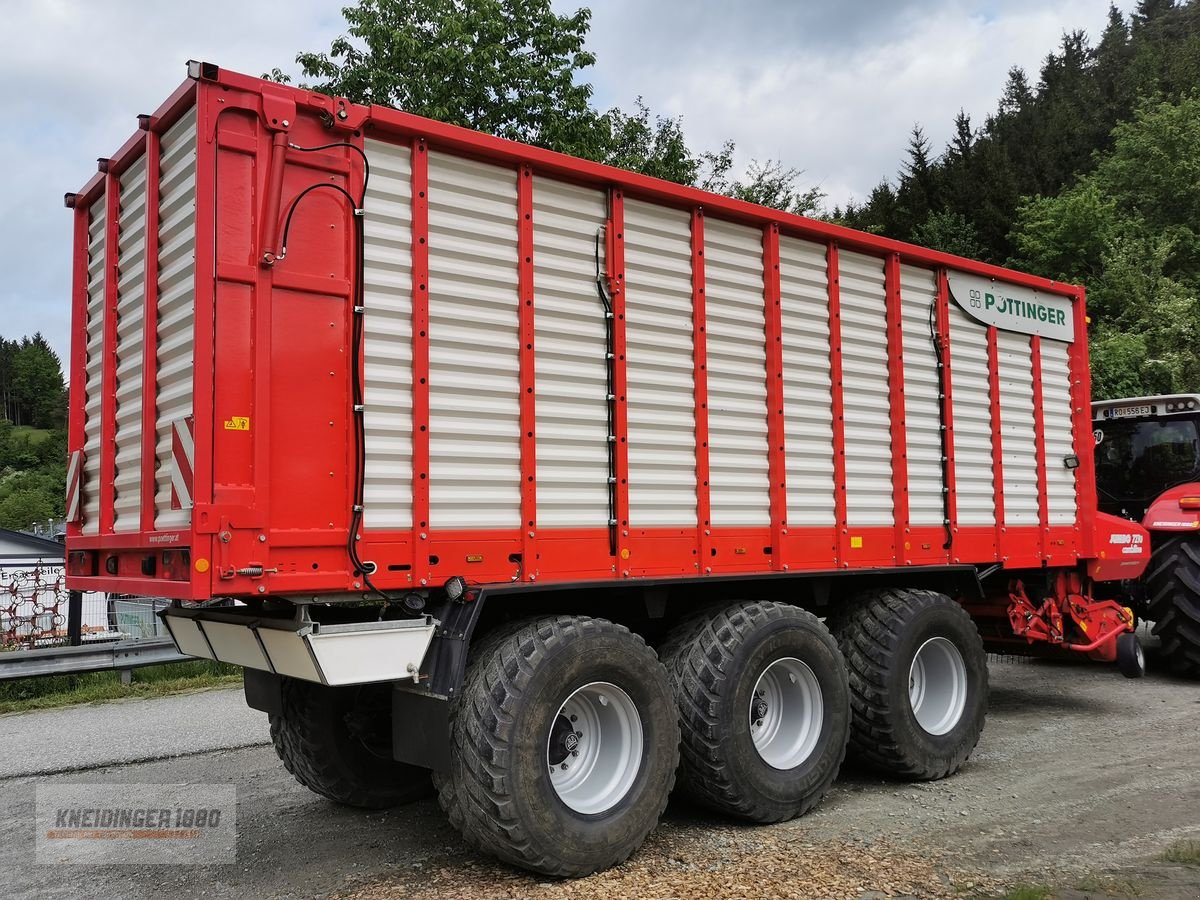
(1081, 779)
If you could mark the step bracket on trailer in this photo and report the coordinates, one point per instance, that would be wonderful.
(330, 654)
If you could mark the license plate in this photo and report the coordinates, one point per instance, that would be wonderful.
(1129, 412)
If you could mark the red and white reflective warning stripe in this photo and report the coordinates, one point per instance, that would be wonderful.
(183, 455)
(74, 483)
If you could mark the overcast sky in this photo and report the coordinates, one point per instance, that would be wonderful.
(830, 88)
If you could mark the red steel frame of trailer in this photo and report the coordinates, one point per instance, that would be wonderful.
(281, 499)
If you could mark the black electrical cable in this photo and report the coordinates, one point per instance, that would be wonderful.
(935, 339)
(287, 222)
(365, 568)
(610, 400)
(362, 153)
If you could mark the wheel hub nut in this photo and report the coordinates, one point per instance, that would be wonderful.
(760, 708)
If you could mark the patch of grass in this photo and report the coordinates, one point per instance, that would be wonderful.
(1184, 853)
(92, 687)
(35, 436)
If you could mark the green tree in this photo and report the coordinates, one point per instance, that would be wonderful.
(918, 191)
(8, 355)
(949, 232)
(652, 145)
(21, 509)
(1113, 57)
(31, 382)
(772, 184)
(1064, 237)
(507, 67)
(1127, 230)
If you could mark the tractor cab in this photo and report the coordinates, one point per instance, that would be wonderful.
(1148, 470)
(1145, 447)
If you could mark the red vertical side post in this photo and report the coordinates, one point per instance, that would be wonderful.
(947, 400)
(700, 382)
(993, 360)
(895, 329)
(776, 460)
(108, 375)
(420, 358)
(525, 328)
(838, 407)
(1085, 445)
(150, 331)
(209, 105)
(1039, 443)
(616, 281)
(79, 280)
(203, 335)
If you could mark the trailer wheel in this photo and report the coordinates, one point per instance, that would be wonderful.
(337, 742)
(1173, 588)
(764, 709)
(918, 682)
(565, 741)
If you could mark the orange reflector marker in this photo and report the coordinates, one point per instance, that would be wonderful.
(1189, 502)
(202, 565)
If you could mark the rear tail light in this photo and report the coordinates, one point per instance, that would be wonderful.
(82, 562)
(1189, 502)
(176, 565)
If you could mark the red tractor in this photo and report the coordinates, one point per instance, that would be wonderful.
(1148, 470)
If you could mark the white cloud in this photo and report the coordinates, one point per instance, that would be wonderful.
(834, 94)
(76, 74)
(831, 88)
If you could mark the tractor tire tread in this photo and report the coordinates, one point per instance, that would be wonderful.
(1173, 590)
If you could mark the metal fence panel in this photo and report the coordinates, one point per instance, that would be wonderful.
(39, 616)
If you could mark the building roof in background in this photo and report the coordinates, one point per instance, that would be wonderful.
(27, 545)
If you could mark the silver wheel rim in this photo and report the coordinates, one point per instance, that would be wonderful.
(786, 713)
(594, 749)
(937, 686)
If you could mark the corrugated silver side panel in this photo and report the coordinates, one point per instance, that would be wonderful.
(387, 347)
(474, 391)
(807, 397)
(131, 315)
(739, 480)
(661, 397)
(570, 346)
(922, 408)
(1017, 432)
(865, 390)
(93, 394)
(1060, 433)
(176, 304)
(974, 487)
